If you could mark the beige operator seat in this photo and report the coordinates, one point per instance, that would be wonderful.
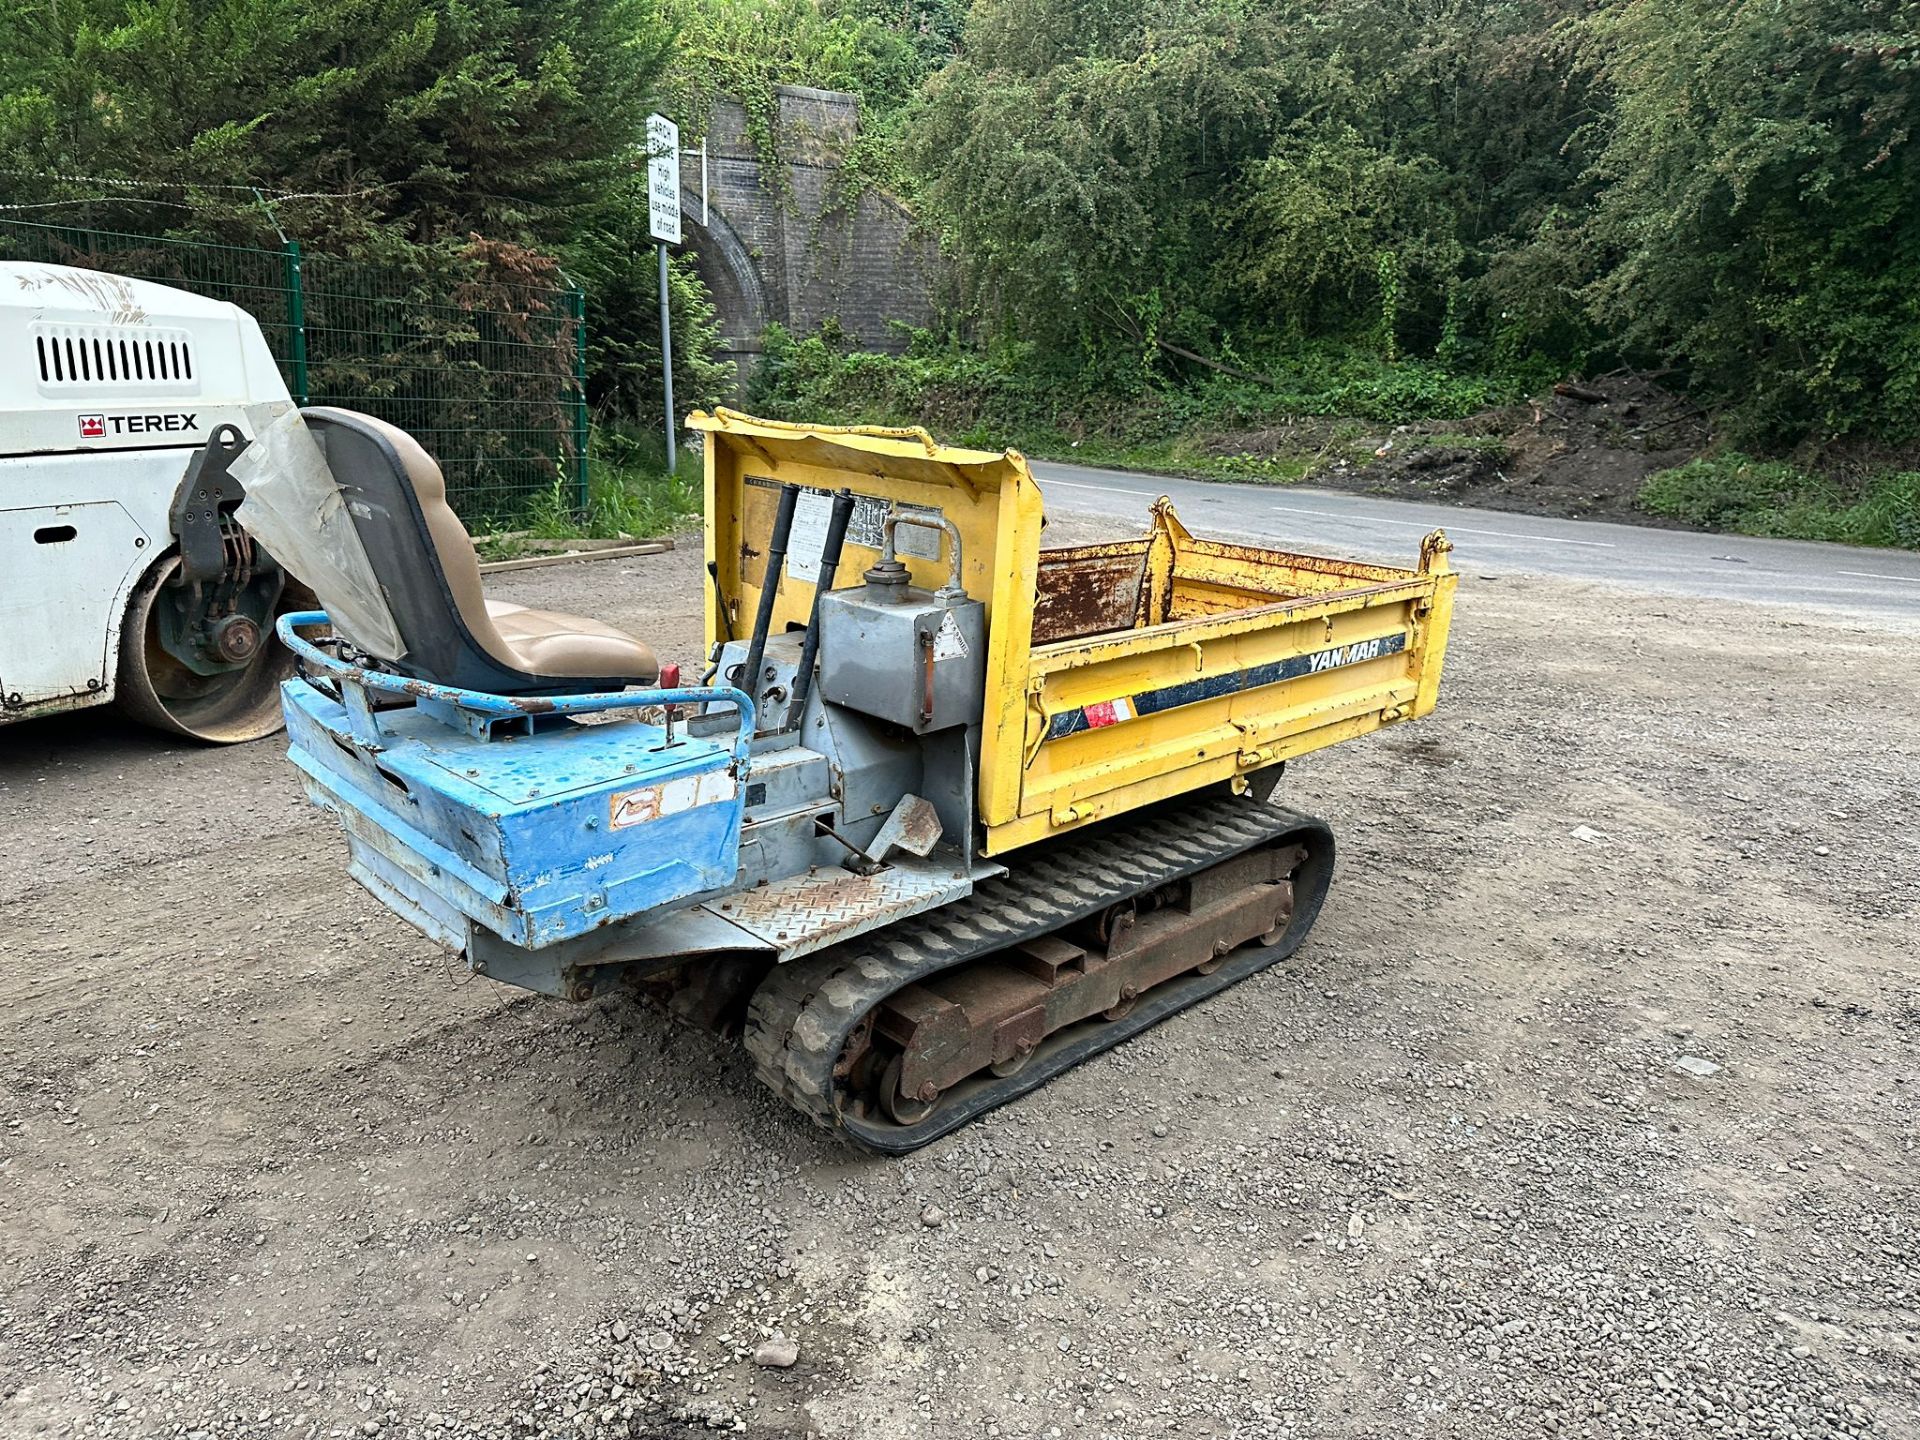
(423, 558)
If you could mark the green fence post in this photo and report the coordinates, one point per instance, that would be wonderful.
(296, 321)
(579, 299)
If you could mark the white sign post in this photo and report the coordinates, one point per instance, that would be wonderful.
(663, 179)
(663, 224)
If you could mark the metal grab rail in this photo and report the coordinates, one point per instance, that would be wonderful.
(507, 707)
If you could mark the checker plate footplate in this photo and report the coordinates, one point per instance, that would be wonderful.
(804, 913)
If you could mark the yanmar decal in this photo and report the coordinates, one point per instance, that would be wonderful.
(1151, 702)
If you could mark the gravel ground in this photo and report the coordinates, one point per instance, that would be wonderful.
(270, 1167)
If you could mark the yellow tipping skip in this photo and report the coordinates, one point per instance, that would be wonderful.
(1118, 674)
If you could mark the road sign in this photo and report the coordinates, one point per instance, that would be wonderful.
(663, 179)
(663, 224)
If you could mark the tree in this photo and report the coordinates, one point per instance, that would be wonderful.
(619, 271)
(436, 134)
(415, 121)
(1757, 191)
(1076, 155)
(1209, 175)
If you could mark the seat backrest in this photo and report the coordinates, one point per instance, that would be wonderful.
(423, 558)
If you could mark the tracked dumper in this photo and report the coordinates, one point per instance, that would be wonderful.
(949, 814)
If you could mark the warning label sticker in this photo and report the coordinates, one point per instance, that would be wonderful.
(809, 535)
(948, 642)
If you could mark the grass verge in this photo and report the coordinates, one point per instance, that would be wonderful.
(630, 493)
(1739, 493)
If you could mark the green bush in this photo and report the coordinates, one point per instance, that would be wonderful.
(944, 386)
(1764, 497)
(1753, 216)
(1011, 393)
(629, 491)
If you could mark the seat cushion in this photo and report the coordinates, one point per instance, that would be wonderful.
(546, 642)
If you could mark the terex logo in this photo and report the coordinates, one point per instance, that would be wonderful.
(94, 427)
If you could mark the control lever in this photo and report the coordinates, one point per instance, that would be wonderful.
(837, 522)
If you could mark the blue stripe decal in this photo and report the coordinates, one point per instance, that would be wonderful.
(1152, 702)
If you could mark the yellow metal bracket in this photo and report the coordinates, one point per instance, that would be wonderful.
(1434, 549)
(1036, 726)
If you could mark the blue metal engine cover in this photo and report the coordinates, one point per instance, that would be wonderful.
(537, 837)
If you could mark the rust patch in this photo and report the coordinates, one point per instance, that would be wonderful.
(1087, 590)
(994, 1012)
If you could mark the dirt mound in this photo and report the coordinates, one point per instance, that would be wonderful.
(1584, 449)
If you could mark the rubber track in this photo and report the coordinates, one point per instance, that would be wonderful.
(800, 1017)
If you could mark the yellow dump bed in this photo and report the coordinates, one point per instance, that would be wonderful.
(1117, 674)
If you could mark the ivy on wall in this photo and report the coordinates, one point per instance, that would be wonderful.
(879, 50)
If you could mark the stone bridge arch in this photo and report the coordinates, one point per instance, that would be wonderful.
(786, 248)
(733, 281)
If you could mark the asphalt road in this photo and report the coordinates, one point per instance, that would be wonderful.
(1882, 585)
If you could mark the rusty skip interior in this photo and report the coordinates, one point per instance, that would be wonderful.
(1083, 591)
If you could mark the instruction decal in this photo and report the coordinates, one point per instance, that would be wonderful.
(1152, 702)
(815, 507)
(809, 534)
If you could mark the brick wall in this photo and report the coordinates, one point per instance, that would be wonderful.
(794, 253)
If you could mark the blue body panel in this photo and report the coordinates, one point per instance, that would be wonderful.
(538, 836)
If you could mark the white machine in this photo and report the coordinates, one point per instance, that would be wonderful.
(119, 581)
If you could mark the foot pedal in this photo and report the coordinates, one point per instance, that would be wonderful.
(914, 826)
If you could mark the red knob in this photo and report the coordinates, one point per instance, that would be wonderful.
(669, 677)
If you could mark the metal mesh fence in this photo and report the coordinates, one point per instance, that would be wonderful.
(483, 368)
